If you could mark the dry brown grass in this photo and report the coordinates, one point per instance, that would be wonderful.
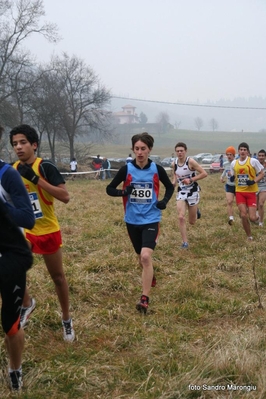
(204, 325)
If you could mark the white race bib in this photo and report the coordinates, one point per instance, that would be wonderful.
(242, 180)
(36, 206)
(142, 193)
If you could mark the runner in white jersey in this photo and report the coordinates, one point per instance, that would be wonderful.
(229, 185)
(185, 175)
(261, 194)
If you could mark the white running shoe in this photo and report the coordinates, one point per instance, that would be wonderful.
(26, 312)
(68, 330)
(256, 221)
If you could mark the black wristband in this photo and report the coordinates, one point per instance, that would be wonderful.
(35, 179)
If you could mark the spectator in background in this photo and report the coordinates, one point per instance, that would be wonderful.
(221, 161)
(106, 166)
(73, 165)
(129, 158)
(97, 165)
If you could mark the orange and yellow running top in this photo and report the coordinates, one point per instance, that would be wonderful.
(42, 203)
(242, 174)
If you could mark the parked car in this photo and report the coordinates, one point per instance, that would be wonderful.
(167, 161)
(216, 158)
(200, 156)
(156, 159)
(121, 160)
(208, 159)
(215, 167)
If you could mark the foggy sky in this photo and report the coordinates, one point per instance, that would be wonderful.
(168, 50)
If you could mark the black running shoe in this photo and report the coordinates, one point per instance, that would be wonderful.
(143, 304)
(15, 379)
(198, 214)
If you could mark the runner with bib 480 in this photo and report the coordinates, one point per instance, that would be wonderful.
(142, 206)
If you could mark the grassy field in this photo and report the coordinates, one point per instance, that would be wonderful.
(205, 326)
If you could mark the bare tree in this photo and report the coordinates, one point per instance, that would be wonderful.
(22, 86)
(18, 21)
(8, 113)
(213, 124)
(177, 125)
(163, 122)
(69, 101)
(45, 108)
(143, 118)
(198, 122)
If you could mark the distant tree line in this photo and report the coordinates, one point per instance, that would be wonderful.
(163, 123)
(62, 99)
(199, 123)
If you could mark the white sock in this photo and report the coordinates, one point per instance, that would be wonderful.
(11, 370)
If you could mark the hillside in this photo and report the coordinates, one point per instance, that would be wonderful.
(228, 119)
(197, 141)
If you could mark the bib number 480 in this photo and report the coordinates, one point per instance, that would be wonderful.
(141, 193)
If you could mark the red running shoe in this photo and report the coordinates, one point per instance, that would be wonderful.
(143, 304)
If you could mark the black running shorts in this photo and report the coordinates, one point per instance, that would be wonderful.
(143, 236)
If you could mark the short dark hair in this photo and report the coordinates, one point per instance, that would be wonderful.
(180, 144)
(245, 145)
(262, 152)
(28, 131)
(145, 137)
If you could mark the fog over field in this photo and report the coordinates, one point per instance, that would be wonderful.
(175, 51)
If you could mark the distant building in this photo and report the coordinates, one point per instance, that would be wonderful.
(128, 115)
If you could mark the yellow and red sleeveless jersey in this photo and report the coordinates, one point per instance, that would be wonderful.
(42, 203)
(242, 174)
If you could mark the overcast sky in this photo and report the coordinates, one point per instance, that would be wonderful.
(165, 50)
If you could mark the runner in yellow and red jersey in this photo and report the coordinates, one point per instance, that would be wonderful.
(246, 172)
(44, 183)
